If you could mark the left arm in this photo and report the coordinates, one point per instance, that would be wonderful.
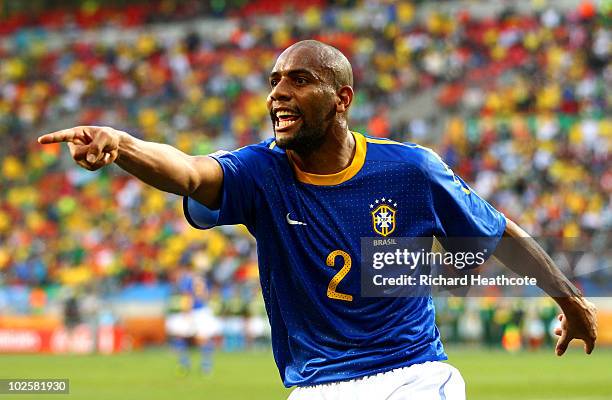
(525, 257)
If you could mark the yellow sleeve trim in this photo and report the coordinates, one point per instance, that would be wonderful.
(384, 141)
(339, 177)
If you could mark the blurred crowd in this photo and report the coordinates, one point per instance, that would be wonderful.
(69, 15)
(525, 100)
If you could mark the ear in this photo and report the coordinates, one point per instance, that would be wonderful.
(344, 98)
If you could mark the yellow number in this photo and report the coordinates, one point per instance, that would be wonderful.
(333, 284)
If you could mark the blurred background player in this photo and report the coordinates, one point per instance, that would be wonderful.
(190, 318)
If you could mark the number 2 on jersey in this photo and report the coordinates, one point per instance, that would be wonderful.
(333, 284)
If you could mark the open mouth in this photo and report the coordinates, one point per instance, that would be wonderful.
(285, 119)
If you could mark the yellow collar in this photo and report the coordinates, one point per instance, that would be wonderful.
(341, 176)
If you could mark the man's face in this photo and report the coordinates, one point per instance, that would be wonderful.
(301, 101)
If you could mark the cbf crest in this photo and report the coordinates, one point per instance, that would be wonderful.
(383, 216)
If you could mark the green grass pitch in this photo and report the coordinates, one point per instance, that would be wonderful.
(152, 375)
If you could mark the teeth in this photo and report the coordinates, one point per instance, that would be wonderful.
(284, 114)
(283, 124)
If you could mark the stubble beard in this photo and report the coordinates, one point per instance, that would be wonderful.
(308, 139)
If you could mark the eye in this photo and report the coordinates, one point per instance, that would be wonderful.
(301, 81)
(273, 82)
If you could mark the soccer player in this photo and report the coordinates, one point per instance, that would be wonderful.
(190, 317)
(308, 195)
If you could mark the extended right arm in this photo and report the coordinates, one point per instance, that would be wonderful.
(159, 165)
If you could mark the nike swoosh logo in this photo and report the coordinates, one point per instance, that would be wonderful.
(294, 222)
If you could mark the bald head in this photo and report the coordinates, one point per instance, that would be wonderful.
(310, 95)
(328, 57)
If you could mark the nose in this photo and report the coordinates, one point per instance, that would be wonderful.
(280, 92)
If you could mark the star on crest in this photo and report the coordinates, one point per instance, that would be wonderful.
(383, 200)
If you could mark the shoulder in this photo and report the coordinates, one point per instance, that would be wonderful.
(256, 155)
(411, 154)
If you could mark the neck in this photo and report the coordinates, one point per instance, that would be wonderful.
(334, 155)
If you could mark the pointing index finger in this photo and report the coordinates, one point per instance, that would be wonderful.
(589, 345)
(66, 135)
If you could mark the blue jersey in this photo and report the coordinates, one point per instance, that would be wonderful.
(192, 286)
(308, 229)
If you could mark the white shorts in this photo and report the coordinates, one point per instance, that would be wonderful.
(200, 323)
(432, 380)
(206, 324)
(179, 324)
(257, 327)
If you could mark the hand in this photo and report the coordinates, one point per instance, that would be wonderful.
(92, 147)
(579, 321)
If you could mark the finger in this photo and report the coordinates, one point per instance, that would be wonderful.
(66, 135)
(96, 148)
(113, 156)
(79, 152)
(91, 167)
(106, 158)
(589, 345)
(103, 142)
(85, 164)
(562, 343)
(564, 338)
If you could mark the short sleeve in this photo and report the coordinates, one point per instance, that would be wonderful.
(458, 210)
(198, 215)
(464, 221)
(237, 195)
